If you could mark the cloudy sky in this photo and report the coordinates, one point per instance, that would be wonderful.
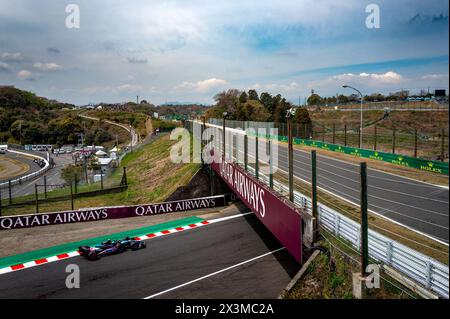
(189, 50)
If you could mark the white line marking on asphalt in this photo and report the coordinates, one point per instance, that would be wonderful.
(215, 273)
(217, 220)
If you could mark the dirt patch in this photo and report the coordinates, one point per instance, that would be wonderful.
(10, 168)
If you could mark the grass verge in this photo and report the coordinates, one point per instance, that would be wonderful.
(330, 277)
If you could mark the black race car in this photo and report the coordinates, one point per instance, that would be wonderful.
(110, 247)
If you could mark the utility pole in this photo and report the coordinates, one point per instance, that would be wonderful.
(361, 120)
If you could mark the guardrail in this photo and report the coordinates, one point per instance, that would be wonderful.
(28, 177)
(423, 269)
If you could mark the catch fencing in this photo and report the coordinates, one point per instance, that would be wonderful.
(423, 269)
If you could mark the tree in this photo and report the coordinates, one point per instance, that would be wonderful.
(72, 173)
(256, 111)
(315, 99)
(342, 99)
(243, 98)
(302, 116)
(267, 100)
(253, 95)
(227, 101)
(279, 114)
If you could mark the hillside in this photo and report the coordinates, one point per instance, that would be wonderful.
(29, 119)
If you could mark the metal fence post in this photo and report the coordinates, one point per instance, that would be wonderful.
(71, 196)
(10, 191)
(245, 151)
(314, 193)
(334, 133)
(270, 164)
(429, 270)
(375, 138)
(36, 198)
(345, 135)
(124, 176)
(202, 128)
(291, 161)
(223, 139)
(442, 145)
(364, 224)
(45, 187)
(256, 156)
(415, 142)
(76, 183)
(393, 139)
(101, 181)
(359, 137)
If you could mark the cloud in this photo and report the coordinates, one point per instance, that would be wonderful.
(435, 77)
(4, 67)
(134, 60)
(12, 57)
(389, 77)
(25, 75)
(129, 88)
(276, 88)
(203, 86)
(47, 67)
(53, 50)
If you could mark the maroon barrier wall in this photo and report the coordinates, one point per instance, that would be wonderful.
(101, 213)
(276, 213)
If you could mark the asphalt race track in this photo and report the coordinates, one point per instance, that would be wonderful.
(169, 262)
(420, 206)
(417, 205)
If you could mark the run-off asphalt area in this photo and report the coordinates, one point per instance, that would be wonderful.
(170, 261)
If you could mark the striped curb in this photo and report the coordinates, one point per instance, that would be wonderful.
(72, 254)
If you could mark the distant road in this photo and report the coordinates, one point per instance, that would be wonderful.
(53, 176)
(128, 128)
(236, 258)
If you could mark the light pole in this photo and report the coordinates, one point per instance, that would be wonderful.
(361, 125)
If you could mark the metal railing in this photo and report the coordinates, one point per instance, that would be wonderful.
(424, 270)
(30, 176)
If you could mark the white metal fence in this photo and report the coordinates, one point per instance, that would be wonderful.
(423, 269)
(27, 177)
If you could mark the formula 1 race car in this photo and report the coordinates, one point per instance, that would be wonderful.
(110, 247)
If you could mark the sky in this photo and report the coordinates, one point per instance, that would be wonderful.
(188, 51)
